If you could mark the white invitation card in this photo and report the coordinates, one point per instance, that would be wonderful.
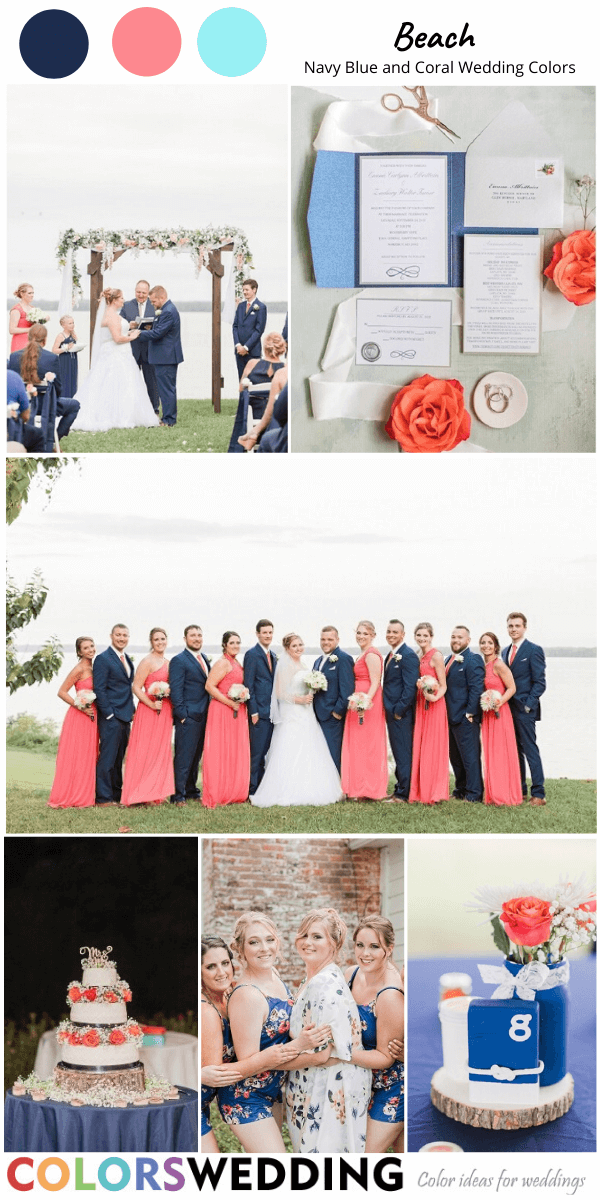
(403, 333)
(514, 179)
(403, 219)
(502, 293)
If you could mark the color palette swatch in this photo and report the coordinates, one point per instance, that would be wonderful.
(53, 44)
(146, 41)
(232, 42)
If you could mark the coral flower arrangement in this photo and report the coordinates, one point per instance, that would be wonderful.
(538, 922)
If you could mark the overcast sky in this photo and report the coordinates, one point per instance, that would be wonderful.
(307, 541)
(142, 156)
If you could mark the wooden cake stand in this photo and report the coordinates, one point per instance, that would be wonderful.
(451, 1097)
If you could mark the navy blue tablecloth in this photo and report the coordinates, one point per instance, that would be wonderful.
(575, 1132)
(46, 1125)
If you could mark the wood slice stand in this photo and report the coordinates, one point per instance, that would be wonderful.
(451, 1097)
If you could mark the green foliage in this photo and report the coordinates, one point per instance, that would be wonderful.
(20, 1046)
(20, 473)
(25, 731)
(501, 941)
(226, 1139)
(21, 608)
(198, 428)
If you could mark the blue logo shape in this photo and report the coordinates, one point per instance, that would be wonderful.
(232, 41)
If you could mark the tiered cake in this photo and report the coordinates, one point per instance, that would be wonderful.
(99, 1044)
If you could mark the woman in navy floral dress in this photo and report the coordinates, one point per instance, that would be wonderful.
(216, 973)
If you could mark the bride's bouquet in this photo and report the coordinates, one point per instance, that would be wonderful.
(359, 702)
(315, 681)
(428, 686)
(84, 700)
(36, 316)
(159, 692)
(489, 702)
(240, 693)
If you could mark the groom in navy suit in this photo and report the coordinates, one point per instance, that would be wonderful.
(528, 665)
(164, 351)
(465, 683)
(248, 326)
(330, 706)
(133, 310)
(113, 677)
(259, 673)
(400, 674)
(188, 672)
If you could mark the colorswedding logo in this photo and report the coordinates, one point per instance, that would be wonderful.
(229, 1173)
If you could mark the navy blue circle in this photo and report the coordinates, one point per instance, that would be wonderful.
(53, 44)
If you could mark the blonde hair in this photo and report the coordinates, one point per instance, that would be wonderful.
(157, 629)
(424, 625)
(251, 917)
(274, 343)
(336, 928)
(288, 639)
(21, 289)
(368, 625)
(111, 294)
(67, 317)
(381, 926)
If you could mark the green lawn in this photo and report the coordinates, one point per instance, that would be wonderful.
(226, 1139)
(197, 428)
(571, 808)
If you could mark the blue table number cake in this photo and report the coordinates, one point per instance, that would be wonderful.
(504, 1066)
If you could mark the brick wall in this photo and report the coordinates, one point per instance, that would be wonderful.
(285, 877)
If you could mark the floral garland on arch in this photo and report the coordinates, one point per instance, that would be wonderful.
(195, 242)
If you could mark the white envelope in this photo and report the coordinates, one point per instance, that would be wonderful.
(514, 179)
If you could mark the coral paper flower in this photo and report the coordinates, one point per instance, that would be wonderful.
(429, 416)
(573, 267)
(527, 920)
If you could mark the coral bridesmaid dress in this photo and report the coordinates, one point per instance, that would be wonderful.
(226, 767)
(502, 777)
(19, 342)
(149, 764)
(364, 748)
(75, 776)
(430, 778)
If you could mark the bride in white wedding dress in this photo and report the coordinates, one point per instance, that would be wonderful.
(114, 395)
(299, 768)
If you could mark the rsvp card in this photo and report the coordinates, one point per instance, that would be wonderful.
(403, 219)
(502, 293)
(403, 333)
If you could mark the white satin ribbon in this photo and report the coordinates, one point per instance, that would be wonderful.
(348, 122)
(533, 977)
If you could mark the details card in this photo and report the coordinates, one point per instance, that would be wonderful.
(403, 219)
(502, 293)
(397, 332)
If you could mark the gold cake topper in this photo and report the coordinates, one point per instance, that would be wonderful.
(95, 958)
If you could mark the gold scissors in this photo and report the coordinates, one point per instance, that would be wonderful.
(420, 96)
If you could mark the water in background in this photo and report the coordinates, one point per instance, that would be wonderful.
(566, 733)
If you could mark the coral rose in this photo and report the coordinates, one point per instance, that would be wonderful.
(75, 1039)
(573, 267)
(127, 996)
(111, 997)
(90, 993)
(527, 920)
(116, 1038)
(429, 416)
(74, 994)
(135, 1031)
(91, 1038)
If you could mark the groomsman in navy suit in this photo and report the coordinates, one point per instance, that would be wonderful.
(133, 310)
(528, 665)
(164, 351)
(465, 682)
(248, 326)
(113, 677)
(188, 673)
(330, 706)
(259, 673)
(400, 674)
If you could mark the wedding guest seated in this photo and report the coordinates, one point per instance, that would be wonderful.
(33, 364)
(271, 431)
(18, 412)
(19, 325)
(67, 361)
(255, 384)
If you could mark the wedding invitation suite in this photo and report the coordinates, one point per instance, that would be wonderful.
(514, 178)
(403, 219)
(502, 293)
(397, 332)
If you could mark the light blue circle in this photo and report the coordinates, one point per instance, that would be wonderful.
(231, 41)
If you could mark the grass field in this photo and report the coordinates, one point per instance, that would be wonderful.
(571, 808)
(197, 428)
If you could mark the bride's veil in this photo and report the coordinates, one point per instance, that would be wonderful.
(97, 331)
(282, 684)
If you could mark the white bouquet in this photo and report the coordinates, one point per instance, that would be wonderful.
(239, 693)
(84, 700)
(159, 690)
(428, 686)
(316, 681)
(359, 702)
(36, 316)
(489, 702)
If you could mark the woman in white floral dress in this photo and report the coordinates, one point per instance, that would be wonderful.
(327, 1104)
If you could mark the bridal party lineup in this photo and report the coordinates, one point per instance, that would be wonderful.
(275, 729)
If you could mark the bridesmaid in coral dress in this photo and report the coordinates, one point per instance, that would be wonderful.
(226, 769)
(75, 776)
(430, 774)
(19, 325)
(364, 748)
(148, 775)
(502, 776)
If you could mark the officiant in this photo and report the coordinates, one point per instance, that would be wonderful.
(134, 311)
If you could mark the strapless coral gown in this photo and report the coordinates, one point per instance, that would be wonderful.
(226, 766)
(364, 748)
(430, 779)
(75, 775)
(149, 764)
(19, 342)
(501, 774)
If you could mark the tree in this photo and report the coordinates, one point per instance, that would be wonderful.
(20, 473)
(21, 608)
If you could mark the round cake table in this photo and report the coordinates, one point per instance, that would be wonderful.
(176, 1061)
(47, 1125)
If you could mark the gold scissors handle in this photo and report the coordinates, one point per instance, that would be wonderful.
(421, 110)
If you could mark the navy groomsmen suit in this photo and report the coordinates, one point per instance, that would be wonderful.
(340, 685)
(465, 682)
(165, 354)
(66, 408)
(259, 681)
(114, 702)
(189, 699)
(248, 328)
(400, 675)
(529, 673)
(139, 349)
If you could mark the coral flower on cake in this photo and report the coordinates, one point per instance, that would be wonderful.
(127, 996)
(573, 267)
(111, 997)
(135, 1031)
(527, 920)
(116, 1038)
(75, 994)
(91, 1038)
(75, 1039)
(428, 416)
(90, 994)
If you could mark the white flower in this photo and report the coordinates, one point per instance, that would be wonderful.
(49, 377)
(397, 657)
(459, 658)
(333, 657)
